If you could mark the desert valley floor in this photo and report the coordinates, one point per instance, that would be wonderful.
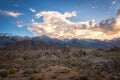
(69, 63)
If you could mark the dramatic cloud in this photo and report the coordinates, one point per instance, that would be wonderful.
(57, 25)
(111, 26)
(118, 12)
(32, 10)
(10, 13)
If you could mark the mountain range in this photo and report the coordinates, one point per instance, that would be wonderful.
(19, 42)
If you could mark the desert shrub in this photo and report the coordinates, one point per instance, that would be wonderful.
(110, 78)
(43, 76)
(12, 70)
(83, 78)
(74, 77)
(29, 71)
(36, 70)
(11, 56)
(79, 53)
(118, 78)
(96, 75)
(115, 49)
(113, 65)
(1, 78)
(64, 71)
(54, 76)
(3, 73)
(116, 65)
(79, 78)
(100, 49)
(72, 62)
(66, 49)
(35, 78)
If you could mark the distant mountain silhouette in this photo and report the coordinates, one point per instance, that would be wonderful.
(29, 45)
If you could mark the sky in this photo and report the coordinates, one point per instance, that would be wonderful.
(62, 19)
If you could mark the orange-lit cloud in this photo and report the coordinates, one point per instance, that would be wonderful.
(110, 27)
(56, 25)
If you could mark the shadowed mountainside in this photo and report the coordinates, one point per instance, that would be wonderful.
(6, 40)
(29, 45)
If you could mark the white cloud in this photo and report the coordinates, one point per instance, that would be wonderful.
(32, 10)
(32, 20)
(10, 13)
(19, 24)
(114, 2)
(67, 14)
(56, 25)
